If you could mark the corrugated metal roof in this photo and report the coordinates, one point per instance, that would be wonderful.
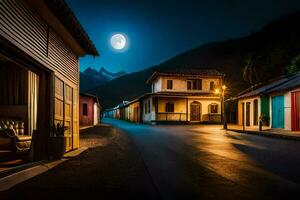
(282, 84)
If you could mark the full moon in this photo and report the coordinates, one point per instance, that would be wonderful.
(118, 41)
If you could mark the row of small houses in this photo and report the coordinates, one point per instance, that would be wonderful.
(276, 103)
(176, 96)
(189, 96)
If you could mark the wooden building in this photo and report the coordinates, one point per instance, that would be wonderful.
(276, 102)
(89, 110)
(41, 42)
(177, 96)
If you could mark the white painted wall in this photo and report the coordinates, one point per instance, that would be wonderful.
(148, 117)
(156, 85)
(240, 117)
(96, 114)
(180, 84)
(287, 108)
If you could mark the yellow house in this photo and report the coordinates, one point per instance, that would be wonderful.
(183, 95)
(176, 96)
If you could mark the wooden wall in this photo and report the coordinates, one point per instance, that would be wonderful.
(28, 32)
(25, 29)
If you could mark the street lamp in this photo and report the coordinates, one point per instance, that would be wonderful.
(221, 92)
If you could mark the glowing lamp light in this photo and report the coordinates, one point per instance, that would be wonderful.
(217, 91)
(224, 87)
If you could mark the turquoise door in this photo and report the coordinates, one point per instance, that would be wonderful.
(278, 112)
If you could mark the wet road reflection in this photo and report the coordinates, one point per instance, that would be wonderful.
(206, 162)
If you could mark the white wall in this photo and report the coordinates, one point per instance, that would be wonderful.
(287, 111)
(156, 85)
(180, 84)
(96, 114)
(240, 117)
(148, 117)
(287, 108)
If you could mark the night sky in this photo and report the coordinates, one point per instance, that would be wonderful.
(161, 29)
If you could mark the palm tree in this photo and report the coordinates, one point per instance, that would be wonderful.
(249, 71)
(294, 67)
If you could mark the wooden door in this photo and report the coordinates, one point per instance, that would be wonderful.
(136, 114)
(69, 117)
(277, 112)
(195, 113)
(248, 104)
(296, 111)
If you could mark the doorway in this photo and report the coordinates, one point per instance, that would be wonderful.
(195, 113)
(248, 104)
(296, 111)
(277, 112)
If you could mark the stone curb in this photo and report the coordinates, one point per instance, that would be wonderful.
(268, 134)
(11, 180)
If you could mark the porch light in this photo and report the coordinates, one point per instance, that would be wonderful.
(224, 87)
(217, 91)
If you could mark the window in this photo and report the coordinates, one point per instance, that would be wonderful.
(189, 85)
(84, 109)
(212, 85)
(149, 108)
(195, 84)
(213, 108)
(169, 84)
(170, 107)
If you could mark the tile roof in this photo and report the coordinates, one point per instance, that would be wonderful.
(184, 72)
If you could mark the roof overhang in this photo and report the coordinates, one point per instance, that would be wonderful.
(157, 74)
(47, 14)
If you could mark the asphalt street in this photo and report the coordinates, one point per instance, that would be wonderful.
(206, 162)
(186, 162)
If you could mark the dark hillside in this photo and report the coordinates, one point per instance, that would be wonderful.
(270, 49)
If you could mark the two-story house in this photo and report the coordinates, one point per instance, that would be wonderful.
(183, 95)
(176, 96)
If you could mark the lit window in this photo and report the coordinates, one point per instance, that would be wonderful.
(170, 107)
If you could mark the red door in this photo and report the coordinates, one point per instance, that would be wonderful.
(296, 111)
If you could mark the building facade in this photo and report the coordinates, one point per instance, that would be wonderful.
(178, 96)
(89, 110)
(41, 42)
(276, 103)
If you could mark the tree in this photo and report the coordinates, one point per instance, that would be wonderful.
(294, 67)
(249, 71)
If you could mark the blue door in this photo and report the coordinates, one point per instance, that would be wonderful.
(278, 112)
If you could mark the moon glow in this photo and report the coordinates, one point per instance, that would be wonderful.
(118, 41)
